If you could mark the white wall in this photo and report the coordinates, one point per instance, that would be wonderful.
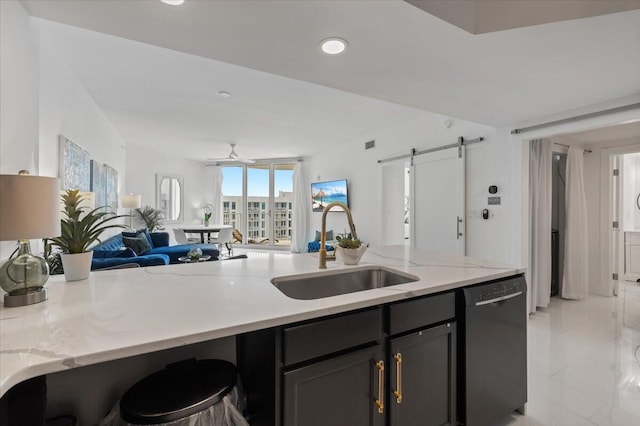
(142, 165)
(488, 163)
(67, 109)
(501, 160)
(18, 89)
(18, 95)
(41, 99)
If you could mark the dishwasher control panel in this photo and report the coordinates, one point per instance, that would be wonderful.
(496, 290)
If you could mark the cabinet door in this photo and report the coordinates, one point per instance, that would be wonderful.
(341, 391)
(423, 377)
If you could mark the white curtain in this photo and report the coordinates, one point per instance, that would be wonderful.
(216, 211)
(300, 214)
(540, 162)
(576, 271)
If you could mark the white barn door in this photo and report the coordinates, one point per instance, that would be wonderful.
(438, 201)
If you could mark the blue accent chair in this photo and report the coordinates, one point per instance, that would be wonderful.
(314, 246)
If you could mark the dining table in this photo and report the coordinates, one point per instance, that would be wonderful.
(202, 230)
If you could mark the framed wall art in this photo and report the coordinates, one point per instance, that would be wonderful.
(111, 188)
(99, 183)
(74, 166)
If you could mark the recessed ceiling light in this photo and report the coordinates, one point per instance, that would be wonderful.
(333, 45)
(173, 2)
(224, 94)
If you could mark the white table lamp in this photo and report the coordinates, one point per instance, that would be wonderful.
(131, 201)
(29, 209)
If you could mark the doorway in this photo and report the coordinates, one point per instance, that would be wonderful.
(558, 220)
(395, 203)
(615, 137)
(625, 206)
(619, 215)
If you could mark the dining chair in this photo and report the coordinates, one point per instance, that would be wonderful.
(224, 237)
(180, 236)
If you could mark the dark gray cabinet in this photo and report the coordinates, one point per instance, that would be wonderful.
(422, 361)
(339, 391)
(350, 369)
(423, 377)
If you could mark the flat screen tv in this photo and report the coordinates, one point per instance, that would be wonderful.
(323, 193)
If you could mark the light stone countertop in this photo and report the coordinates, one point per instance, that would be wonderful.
(121, 313)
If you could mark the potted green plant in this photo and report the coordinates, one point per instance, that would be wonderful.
(349, 249)
(79, 230)
(152, 218)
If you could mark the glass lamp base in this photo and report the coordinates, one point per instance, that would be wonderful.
(25, 299)
(23, 277)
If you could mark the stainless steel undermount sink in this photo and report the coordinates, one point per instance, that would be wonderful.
(333, 283)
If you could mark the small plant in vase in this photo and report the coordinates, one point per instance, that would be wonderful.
(350, 249)
(194, 254)
(79, 232)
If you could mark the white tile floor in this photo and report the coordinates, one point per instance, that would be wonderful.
(584, 362)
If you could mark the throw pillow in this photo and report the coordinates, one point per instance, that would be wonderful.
(160, 239)
(138, 244)
(328, 235)
(133, 234)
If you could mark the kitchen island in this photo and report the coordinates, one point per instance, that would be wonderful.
(124, 313)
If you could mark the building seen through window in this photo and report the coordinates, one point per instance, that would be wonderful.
(262, 224)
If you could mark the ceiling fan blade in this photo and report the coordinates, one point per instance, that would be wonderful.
(221, 160)
(244, 160)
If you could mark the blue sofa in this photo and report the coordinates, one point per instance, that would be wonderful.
(112, 252)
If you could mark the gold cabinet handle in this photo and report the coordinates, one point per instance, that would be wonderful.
(398, 392)
(380, 400)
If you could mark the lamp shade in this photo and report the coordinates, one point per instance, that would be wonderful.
(29, 207)
(131, 201)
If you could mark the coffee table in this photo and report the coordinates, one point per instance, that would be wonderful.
(187, 259)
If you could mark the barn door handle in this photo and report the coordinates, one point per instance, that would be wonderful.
(458, 222)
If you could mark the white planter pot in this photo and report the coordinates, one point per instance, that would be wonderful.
(77, 266)
(350, 256)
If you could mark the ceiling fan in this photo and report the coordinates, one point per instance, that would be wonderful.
(232, 157)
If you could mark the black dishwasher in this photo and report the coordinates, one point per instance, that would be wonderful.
(493, 365)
